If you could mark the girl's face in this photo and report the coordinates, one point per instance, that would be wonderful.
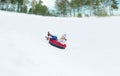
(62, 37)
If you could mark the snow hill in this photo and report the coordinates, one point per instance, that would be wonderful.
(93, 46)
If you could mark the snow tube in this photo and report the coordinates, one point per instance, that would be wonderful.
(57, 44)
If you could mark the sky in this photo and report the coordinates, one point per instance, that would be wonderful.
(49, 3)
(119, 1)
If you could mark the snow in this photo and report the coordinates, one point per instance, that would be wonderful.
(93, 46)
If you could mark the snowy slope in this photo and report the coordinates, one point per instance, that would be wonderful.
(93, 46)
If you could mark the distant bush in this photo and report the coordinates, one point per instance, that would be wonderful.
(79, 15)
(86, 15)
(24, 9)
(101, 12)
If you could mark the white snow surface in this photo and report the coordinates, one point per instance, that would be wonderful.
(93, 46)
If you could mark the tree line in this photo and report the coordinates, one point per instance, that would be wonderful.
(62, 7)
(86, 7)
(24, 6)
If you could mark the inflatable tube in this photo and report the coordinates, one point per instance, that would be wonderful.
(57, 44)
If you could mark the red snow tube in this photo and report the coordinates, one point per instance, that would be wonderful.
(57, 44)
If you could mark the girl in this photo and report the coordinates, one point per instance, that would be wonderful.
(53, 37)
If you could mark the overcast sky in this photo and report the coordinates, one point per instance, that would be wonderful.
(49, 3)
